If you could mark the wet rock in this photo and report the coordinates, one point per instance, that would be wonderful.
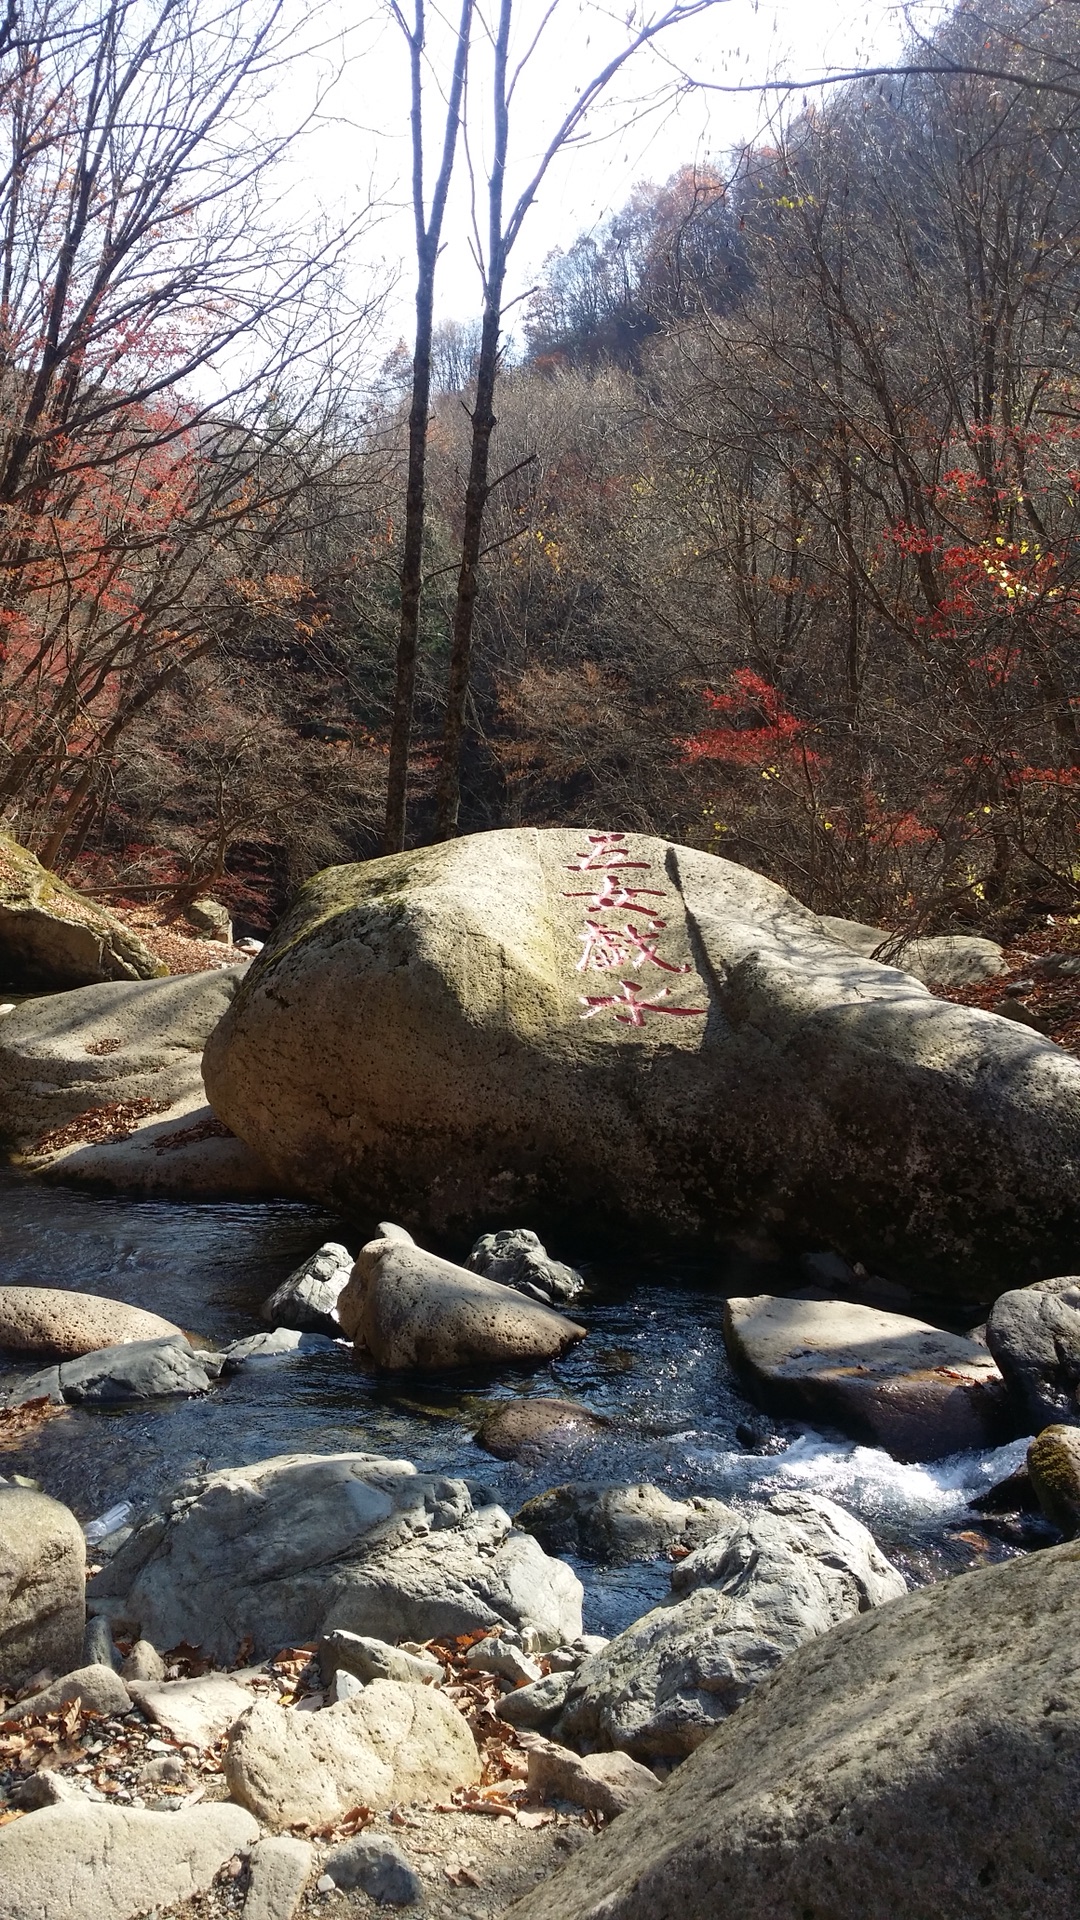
(144, 1662)
(516, 1258)
(390, 1743)
(619, 1524)
(537, 1706)
(51, 936)
(284, 1343)
(280, 1870)
(919, 1760)
(895, 1382)
(62, 1055)
(66, 1325)
(607, 1783)
(741, 1604)
(514, 1429)
(42, 1586)
(140, 1370)
(194, 1712)
(370, 1659)
(307, 1300)
(419, 1036)
(1034, 1335)
(290, 1549)
(1053, 1462)
(99, 1689)
(938, 959)
(96, 1862)
(375, 1866)
(411, 1309)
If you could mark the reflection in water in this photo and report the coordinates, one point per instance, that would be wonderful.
(654, 1363)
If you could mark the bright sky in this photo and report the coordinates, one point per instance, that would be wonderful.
(362, 149)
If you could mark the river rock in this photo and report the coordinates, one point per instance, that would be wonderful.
(515, 1257)
(519, 1429)
(88, 1861)
(279, 1871)
(369, 1659)
(389, 1743)
(42, 1586)
(619, 1524)
(291, 1548)
(741, 1604)
(378, 1867)
(411, 1309)
(52, 1320)
(1053, 1462)
(194, 1712)
(465, 1029)
(609, 1783)
(280, 1344)
(920, 1760)
(937, 959)
(98, 1689)
(1034, 1335)
(895, 1382)
(307, 1300)
(124, 1041)
(51, 936)
(140, 1370)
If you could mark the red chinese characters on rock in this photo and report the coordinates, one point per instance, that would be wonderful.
(631, 942)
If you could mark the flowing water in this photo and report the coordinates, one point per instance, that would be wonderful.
(654, 1363)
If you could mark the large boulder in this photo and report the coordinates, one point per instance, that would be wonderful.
(42, 1586)
(124, 1042)
(896, 1382)
(93, 1862)
(516, 1257)
(52, 1320)
(392, 1742)
(307, 1300)
(924, 1759)
(289, 1549)
(1034, 1335)
(608, 1028)
(51, 936)
(741, 1604)
(411, 1309)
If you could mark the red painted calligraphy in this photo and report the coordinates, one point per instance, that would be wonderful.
(633, 942)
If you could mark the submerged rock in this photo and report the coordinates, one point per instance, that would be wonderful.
(410, 1309)
(42, 1586)
(609, 1028)
(516, 1258)
(619, 1524)
(138, 1370)
(290, 1549)
(51, 936)
(896, 1382)
(307, 1300)
(921, 1760)
(518, 1429)
(1034, 1335)
(52, 1320)
(741, 1604)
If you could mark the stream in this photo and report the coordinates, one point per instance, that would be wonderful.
(654, 1363)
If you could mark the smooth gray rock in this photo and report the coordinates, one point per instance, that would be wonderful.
(937, 959)
(741, 1604)
(280, 1870)
(91, 1861)
(443, 1034)
(144, 1662)
(370, 1659)
(1034, 1335)
(99, 1649)
(411, 1309)
(194, 1712)
(538, 1706)
(289, 1549)
(388, 1744)
(139, 1370)
(307, 1300)
(496, 1655)
(284, 1343)
(20, 1389)
(59, 1057)
(619, 1524)
(99, 1689)
(42, 1586)
(896, 1382)
(921, 1760)
(515, 1257)
(370, 1864)
(606, 1782)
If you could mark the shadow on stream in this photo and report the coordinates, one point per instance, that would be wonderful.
(654, 1363)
